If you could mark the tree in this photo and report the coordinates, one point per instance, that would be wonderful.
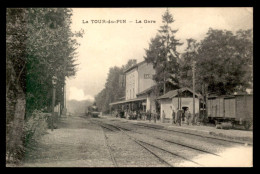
(39, 44)
(15, 80)
(162, 53)
(114, 88)
(225, 60)
(99, 99)
(129, 64)
(51, 50)
(112, 91)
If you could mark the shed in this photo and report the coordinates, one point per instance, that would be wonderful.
(179, 98)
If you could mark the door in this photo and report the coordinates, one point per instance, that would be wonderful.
(166, 107)
(229, 110)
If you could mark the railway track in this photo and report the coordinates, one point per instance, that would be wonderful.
(171, 142)
(147, 146)
(164, 150)
(109, 148)
(168, 141)
(187, 146)
(107, 144)
(174, 142)
(149, 150)
(188, 133)
(116, 129)
(203, 136)
(161, 129)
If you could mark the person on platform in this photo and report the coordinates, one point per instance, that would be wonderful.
(188, 116)
(154, 116)
(183, 119)
(149, 115)
(179, 116)
(173, 116)
(195, 119)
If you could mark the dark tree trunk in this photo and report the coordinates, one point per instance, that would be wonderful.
(14, 131)
(15, 142)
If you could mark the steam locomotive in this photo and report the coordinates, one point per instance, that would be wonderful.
(92, 111)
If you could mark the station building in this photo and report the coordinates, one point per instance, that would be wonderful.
(139, 83)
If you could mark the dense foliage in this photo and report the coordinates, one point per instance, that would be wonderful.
(51, 47)
(163, 54)
(16, 35)
(39, 45)
(223, 62)
(114, 87)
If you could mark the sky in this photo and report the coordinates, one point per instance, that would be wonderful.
(106, 45)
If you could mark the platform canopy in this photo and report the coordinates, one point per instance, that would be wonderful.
(128, 101)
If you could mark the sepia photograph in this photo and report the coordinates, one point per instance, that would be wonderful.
(129, 87)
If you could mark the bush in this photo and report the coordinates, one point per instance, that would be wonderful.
(224, 125)
(203, 119)
(35, 127)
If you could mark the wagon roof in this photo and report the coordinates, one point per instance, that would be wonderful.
(220, 96)
(227, 96)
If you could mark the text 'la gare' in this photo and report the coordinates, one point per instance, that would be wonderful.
(145, 21)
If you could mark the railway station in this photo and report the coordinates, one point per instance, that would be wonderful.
(139, 99)
(139, 95)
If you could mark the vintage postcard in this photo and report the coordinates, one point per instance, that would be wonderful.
(129, 87)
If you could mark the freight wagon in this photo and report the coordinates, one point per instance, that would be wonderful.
(236, 109)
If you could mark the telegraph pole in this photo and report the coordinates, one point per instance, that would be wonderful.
(178, 99)
(64, 102)
(193, 84)
(65, 96)
(64, 109)
(54, 82)
(53, 106)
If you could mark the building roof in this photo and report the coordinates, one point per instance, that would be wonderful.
(127, 101)
(174, 93)
(121, 98)
(146, 91)
(134, 66)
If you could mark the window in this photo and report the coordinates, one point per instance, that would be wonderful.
(147, 76)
